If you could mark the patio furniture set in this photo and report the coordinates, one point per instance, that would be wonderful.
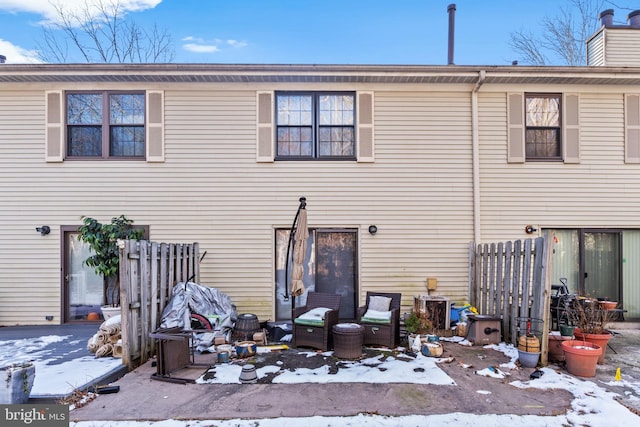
(316, 324)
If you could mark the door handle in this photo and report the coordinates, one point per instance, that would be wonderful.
(586, 274)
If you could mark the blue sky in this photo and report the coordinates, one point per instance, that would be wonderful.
(311, 31)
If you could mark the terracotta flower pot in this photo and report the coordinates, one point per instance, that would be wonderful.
(601, 340)
(556, 353)
(608, 305)
(581, 357)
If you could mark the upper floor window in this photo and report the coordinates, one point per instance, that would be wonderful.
(543, 126)
(105, 125)
(315, 125)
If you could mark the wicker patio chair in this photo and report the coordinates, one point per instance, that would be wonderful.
(316, 333)
(382, 332)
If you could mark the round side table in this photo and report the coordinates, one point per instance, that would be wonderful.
(347, 340)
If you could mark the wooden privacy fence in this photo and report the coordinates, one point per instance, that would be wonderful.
(511, 280)
(148, 273)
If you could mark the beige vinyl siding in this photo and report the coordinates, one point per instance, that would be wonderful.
(211, 189)
(594, 193)
(29, 262)
(595, 49)
(622, 47)
(421, 194)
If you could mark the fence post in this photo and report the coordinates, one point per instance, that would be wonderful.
(507, 285)
(473, 290)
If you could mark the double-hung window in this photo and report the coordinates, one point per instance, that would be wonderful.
(105, 125)
(315, 125)
(543, 126)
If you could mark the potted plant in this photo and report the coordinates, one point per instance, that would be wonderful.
(16, 381)
(105, 260)
(591, 322)
(418, 323)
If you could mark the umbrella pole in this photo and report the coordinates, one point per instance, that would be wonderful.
(303, 205)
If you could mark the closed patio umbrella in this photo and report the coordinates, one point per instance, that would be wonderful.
(299, 251)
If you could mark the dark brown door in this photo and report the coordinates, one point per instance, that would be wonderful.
(330, 265)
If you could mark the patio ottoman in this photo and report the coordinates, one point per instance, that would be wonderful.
(347, 340)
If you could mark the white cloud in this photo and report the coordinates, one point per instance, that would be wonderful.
(200, 48)
(200, 45)
(17, 55)
(47, 10)
(236, 43)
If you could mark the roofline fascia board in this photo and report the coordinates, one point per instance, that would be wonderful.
(195, 73)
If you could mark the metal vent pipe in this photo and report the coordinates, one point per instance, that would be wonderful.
(634, 19)
(451, 9)
(606, 18)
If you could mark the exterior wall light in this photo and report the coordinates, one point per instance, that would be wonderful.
(530, 229)
(373, 229)
(44, 230)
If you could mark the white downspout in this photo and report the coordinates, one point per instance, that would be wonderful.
(475, 147)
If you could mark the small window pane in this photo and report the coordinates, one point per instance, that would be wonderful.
(542, 143)
(295, 141)
(127, 141)
(127, 109)
(295, 110)
(84, 109)
(336, 141)
(336, 110)
(543, 111)
(85, 141)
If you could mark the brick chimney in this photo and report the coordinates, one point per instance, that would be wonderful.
(3, 59)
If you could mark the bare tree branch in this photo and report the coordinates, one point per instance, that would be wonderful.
(563, 37)
(99, 32)
(528, 47)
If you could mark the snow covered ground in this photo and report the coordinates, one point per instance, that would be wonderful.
(55, 377)
(592, 405)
